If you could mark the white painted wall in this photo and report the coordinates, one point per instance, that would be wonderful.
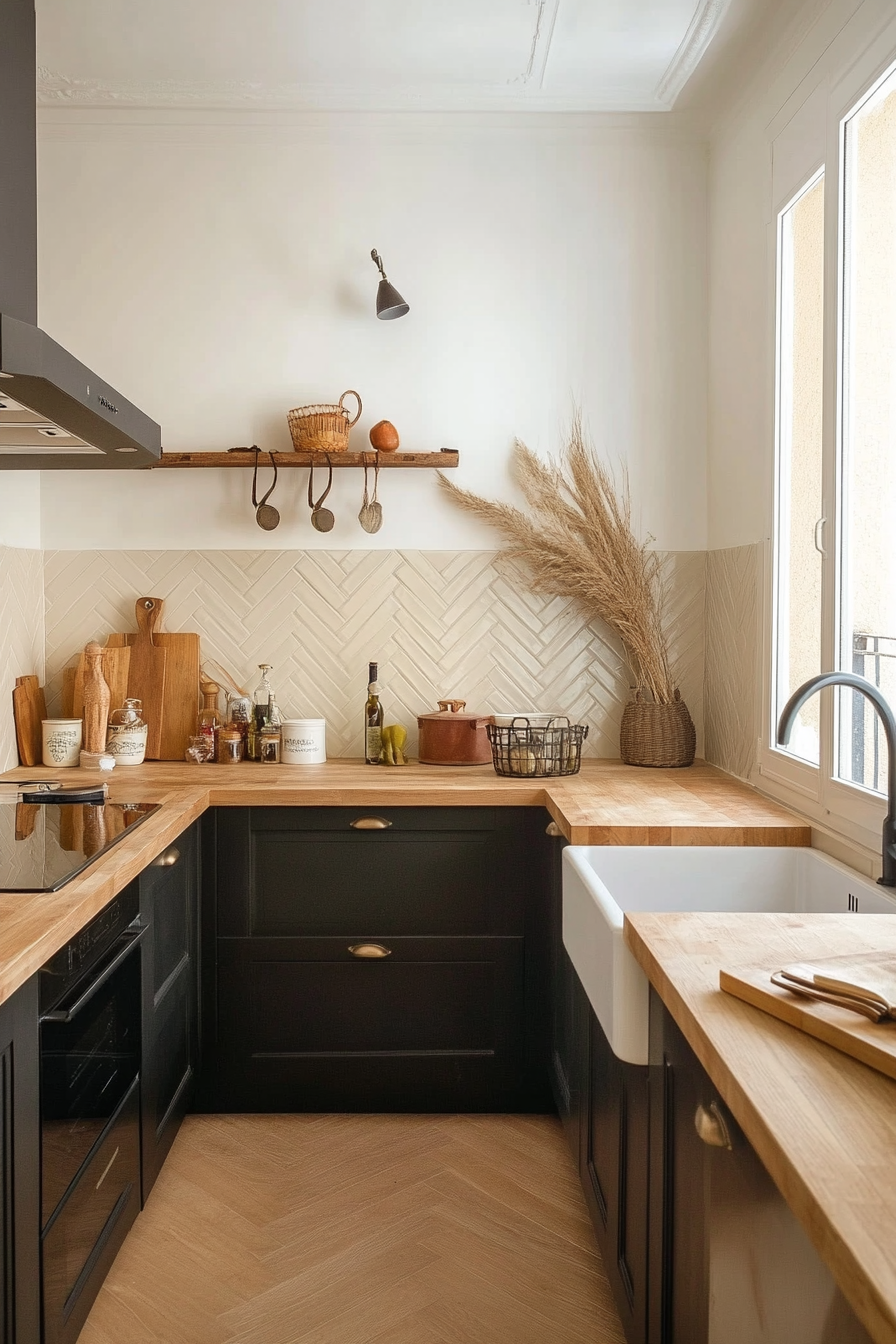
(216, 269)
(20, 508)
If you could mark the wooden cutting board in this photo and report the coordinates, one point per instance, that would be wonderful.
(874, 1043)
(29, 707)
(148, 670)
(181, 695)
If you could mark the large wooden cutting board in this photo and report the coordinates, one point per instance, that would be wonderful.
(180, 704)
(29, 708)
(874, 1043)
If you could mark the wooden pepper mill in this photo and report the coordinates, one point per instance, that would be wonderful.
(96, 699)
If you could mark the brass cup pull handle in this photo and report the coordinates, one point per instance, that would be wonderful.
(167, 859)
(370, 951)
(711, 1127)
(553, 830)
(370, 824)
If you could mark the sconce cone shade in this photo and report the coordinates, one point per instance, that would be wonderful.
(389, 302)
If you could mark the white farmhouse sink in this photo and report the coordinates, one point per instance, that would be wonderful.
(600, 883)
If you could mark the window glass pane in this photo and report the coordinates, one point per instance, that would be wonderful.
(868, 462)
(800, 328)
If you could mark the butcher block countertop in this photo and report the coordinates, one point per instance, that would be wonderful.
(607, 803)
(823, 1124)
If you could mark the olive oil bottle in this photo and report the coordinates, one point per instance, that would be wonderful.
(373, 720)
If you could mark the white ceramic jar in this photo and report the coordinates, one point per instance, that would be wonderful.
(303, 741)
(61, 742)
(127, 734)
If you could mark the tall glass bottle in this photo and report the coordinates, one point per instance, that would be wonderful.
(373, 719)
(262, 699)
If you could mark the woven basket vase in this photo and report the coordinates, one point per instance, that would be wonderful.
(657, 735)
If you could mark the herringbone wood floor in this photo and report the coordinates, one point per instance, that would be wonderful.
(360, 1229)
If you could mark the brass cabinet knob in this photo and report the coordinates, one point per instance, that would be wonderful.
(370, 951)
(370, 824)
(711, 1126)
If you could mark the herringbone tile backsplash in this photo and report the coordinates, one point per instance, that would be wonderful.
(459, 624)
(21, 633)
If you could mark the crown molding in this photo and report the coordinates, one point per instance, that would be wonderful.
(703, 28)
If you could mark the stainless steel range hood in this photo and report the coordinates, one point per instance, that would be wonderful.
(54, 411)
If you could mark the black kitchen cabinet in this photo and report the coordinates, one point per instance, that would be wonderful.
(20, 1168)
(734, 1266)
(604, 1106)
(568, 1065)
(169, 903)
(399, 964)
(614, 1169)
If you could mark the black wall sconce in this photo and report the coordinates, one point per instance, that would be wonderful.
(389, 302)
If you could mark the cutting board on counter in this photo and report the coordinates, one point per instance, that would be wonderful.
(179, 701)
(873, 1043)
(29, 708)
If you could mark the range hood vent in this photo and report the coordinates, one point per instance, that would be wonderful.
(54, 411)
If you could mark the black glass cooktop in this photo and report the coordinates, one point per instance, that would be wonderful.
(45, 845)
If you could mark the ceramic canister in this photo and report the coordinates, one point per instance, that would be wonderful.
(61, 742)
(303, 741)
(127, 743)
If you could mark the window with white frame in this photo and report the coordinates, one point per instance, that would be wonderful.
(834, 600)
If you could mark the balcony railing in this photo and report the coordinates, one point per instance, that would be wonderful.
(873, 657)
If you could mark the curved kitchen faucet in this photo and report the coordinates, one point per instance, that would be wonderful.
(870, 691)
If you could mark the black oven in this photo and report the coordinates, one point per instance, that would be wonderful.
(90, 1146)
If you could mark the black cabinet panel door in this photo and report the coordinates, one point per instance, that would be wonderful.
(169, 903)
(309, 1026)
(19, 1169)
(615, 1154)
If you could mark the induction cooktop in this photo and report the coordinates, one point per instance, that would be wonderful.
(45, 843)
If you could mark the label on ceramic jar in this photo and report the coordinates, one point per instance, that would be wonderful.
(127, 745)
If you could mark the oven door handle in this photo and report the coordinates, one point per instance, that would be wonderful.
(69, 1014)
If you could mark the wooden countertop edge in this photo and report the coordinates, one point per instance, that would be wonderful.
(849, 1268)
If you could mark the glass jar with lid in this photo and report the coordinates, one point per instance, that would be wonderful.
(126, 733)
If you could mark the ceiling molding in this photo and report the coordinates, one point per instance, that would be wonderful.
(703, 28)
(542, 33)
(58, 90)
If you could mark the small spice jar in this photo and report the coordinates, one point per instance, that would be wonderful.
(231, 744)
(269, 745)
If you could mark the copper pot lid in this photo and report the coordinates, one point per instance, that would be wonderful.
(451, 711)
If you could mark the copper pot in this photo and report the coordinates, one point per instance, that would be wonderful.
(451, 737)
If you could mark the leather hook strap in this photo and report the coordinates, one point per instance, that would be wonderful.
(257, 503)
(311, 504)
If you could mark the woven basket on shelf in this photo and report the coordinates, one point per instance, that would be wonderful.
(657, 735)
(322, 429)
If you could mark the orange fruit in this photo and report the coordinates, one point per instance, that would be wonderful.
(384, 437)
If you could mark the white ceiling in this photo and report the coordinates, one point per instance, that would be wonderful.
(551, 55)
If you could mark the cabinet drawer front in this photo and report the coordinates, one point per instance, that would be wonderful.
(83, 1239)
(413, 883)
(305, 997)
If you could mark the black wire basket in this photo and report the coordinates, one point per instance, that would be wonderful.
(524, 752)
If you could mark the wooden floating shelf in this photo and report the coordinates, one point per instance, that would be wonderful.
(447, 457)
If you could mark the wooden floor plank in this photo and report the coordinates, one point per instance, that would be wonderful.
(354, 1229)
